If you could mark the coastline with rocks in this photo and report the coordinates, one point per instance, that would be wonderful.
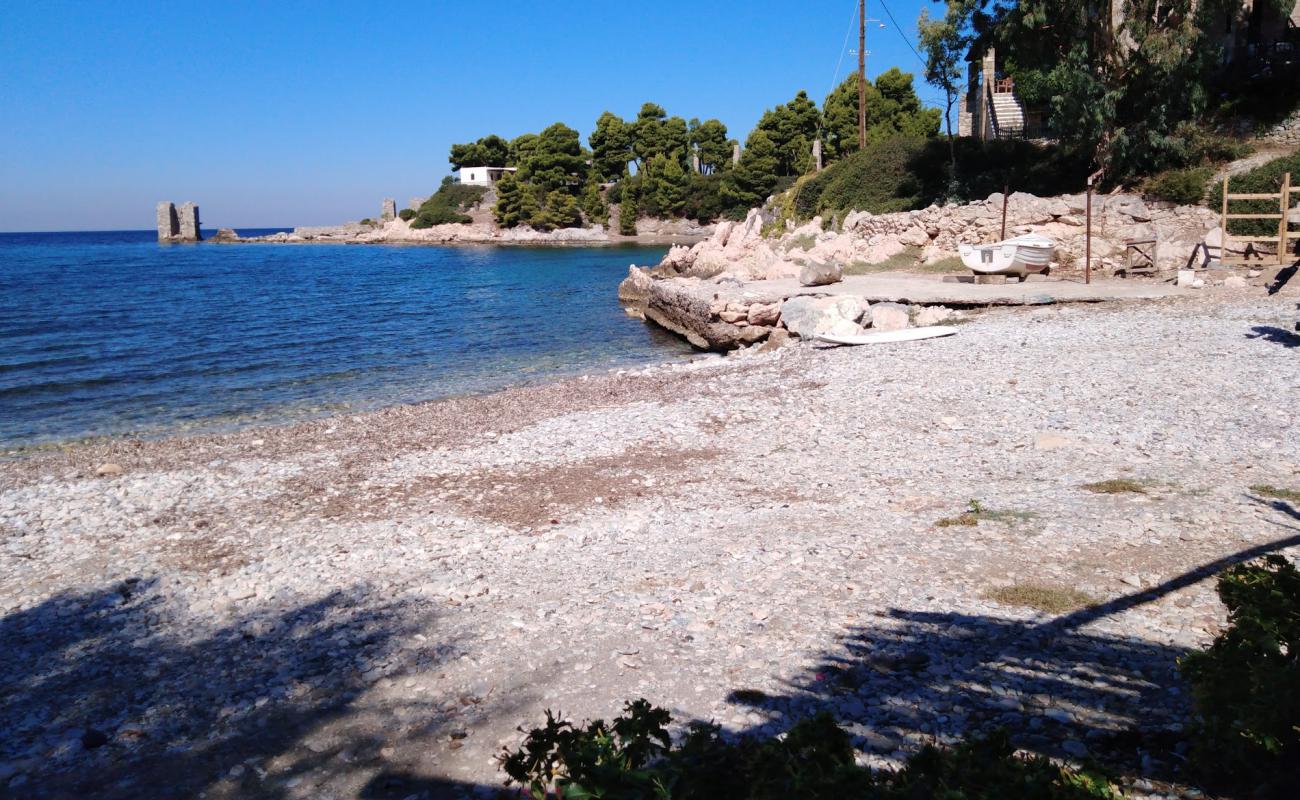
(747, 285)
(359, 602)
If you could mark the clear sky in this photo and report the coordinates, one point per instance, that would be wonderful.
(302, 113)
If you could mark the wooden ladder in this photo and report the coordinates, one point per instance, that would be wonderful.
(1281, 239)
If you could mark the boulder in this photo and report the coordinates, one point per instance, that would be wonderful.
(932, 315)
(109, 470)
(817, 273)
(807, 316)
(915, 237)
(889, 316)
(635, 288)
(1234, 282)
(765, 314)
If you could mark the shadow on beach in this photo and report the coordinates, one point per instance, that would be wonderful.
(909, 678)
(103, 694)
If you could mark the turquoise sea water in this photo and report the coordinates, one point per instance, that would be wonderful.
(113, 333)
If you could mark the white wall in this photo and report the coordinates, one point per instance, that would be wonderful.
(475, 176)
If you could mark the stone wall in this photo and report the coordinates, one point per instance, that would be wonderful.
(189, 220)
(388, 210)
(1286, 132)
(169, 227)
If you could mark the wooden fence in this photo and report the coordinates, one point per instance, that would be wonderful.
(1281, 240)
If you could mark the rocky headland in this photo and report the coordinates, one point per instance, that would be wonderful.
(399, 231)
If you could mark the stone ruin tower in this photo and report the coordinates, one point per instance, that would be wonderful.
(388, 210)
(178, 224)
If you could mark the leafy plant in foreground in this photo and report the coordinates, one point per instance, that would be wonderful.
(1247, 683)
(634, 759)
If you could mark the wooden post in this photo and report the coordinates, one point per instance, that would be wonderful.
(862, 74)
(1006, 189)
(1223, 227)
(1282, 227)
(1087, 247)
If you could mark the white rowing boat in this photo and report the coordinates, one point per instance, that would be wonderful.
(1019, 256)
(883, 337)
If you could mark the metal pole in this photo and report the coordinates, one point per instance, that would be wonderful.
(862, 74)
(1087, 248)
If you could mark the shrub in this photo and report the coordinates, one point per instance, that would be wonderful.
(1246, 685)
(1184, 186)
(406, 214)
(1264, 179)
(901, 174)
(446, 205)
(634, 759)
(367, 221)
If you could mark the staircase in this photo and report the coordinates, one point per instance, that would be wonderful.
(1008, 116)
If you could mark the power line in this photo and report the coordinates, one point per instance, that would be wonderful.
(906, 41)
(844, 49)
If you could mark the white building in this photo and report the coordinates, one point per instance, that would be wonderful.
(481, 176)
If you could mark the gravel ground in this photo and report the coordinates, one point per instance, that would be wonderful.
(369, 605)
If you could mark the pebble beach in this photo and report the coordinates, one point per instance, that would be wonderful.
(1016, 526)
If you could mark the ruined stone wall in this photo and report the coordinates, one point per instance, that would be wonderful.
(169, 227)
(189, 222)
(388, 210)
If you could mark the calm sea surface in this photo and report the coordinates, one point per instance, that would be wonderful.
(112, 333)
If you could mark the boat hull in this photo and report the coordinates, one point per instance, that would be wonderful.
(1019, 257)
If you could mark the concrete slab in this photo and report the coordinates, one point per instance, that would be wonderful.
(933, 290)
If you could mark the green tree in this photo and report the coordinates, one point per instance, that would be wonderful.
(490, 151)
(655, 133)
(671, 185)
(792, 128)
(559, 211)
(521, 147)
(892, 108)
(627, 214)
(709, 141)
(748, 184)
(509, 206)
(556, 161)
(611, 147)
(945, 44)
(593, 204)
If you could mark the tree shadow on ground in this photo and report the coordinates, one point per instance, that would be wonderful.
(914, 677)
(1270, 333)
(108, 693)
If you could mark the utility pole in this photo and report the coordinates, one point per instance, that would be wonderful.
(862, 74)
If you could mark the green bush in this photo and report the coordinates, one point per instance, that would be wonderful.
(1263, 179)
(1247, 683)
(634, 759)
(447, 205)
(901, 174)
(1184, 186)
(406, 214)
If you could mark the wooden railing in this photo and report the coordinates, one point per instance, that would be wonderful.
(1281, 239)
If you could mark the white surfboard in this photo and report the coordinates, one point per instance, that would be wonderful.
(882, 337)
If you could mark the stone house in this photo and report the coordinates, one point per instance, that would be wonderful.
(1257, 40)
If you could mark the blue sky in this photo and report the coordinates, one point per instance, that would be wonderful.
(293, 113)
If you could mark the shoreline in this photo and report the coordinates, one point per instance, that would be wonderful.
(385, 596)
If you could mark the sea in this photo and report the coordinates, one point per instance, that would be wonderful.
(114, 334)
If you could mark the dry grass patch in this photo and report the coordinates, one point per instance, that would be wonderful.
(1265, 490)
(944, 266)
(1116, 486)
(898, 262)
(1051, 599)
(976, 512)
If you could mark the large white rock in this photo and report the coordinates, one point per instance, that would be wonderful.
(808, 316)
(889, 316)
